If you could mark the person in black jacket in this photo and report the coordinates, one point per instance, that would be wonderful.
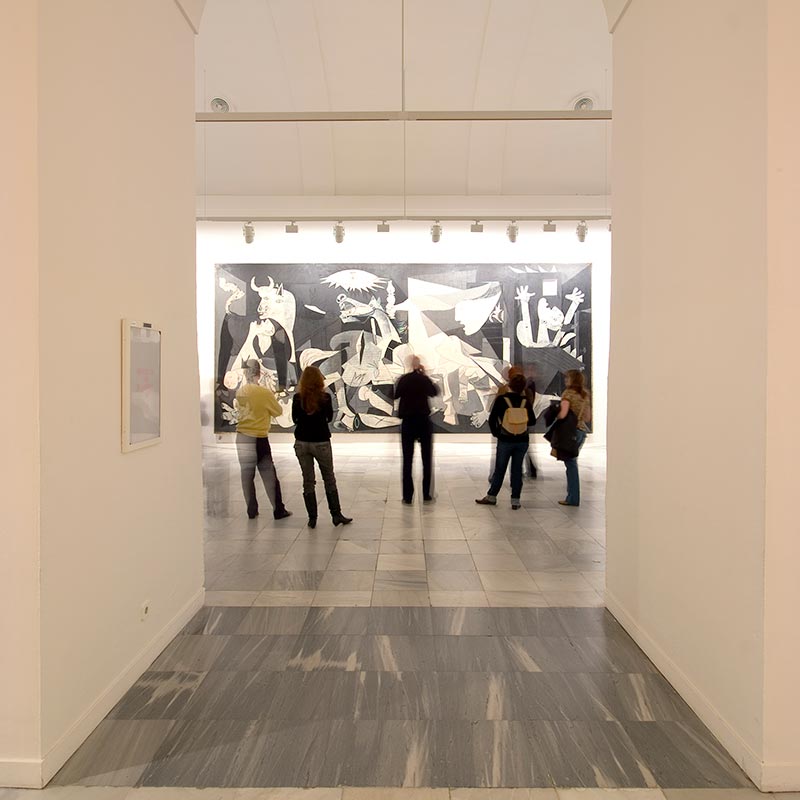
(413, 391)
(509, 420)
(312, 411)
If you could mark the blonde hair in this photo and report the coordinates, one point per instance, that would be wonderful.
(575, 381)
(311, 389)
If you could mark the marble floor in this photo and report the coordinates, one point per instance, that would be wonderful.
(423, 651)
(448, 553)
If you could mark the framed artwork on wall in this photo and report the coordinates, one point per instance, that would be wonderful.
(141, 385)
(359, 323)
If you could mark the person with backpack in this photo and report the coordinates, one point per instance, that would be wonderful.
(509, 420)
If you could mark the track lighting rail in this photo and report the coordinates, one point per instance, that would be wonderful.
(403, 116)
(408, 218)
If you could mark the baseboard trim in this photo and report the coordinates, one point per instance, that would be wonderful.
(739, 750)
(58, 755)
(24, 773)
(780, 777)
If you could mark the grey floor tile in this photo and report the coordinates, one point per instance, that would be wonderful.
(255, 653)
(115, 754)
(158, 695)
(320, 652)
(294, 581)
(265, 621)
(471, 654)
(239, 695)
(398, 653)
(408, 621)
(190, 654)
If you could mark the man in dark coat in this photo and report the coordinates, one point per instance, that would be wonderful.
(413, 392)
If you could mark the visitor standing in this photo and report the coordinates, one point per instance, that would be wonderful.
(256, 406)
(312, 412)
(509, 420)
(413, 392)
(575, 399)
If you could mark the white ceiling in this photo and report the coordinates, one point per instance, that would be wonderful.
(347, 55)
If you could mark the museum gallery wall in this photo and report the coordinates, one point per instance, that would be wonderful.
(359, 323)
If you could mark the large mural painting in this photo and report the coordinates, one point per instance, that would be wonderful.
(359, 323)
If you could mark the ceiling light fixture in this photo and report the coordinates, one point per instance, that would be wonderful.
(549, 226)
(436, 232)
(219, 105)
(581, 230)
(583, 103)
(512, 231)
(338, 232)
(476, 227)
(249, 232)
(292, 227)
(383, 227)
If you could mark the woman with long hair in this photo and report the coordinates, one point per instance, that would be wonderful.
(576, 398)
(312, 411)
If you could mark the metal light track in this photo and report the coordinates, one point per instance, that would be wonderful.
(409, 218)
(403, 116)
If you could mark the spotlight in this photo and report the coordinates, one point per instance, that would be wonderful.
(249, 232)
(436, 232)
(549, 226)
(581, 230)
(338, 232)
(292, 227)
(219, 105)
(383, 227)
(476, 227)
(512, 231)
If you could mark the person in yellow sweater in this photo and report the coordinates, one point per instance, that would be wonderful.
(256, 406)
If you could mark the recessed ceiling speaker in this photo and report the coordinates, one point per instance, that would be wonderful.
(583, 104)
(249, 232)
(219, 105)
(436, 232)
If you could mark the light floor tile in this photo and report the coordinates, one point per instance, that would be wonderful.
(276, 598)
(498, 562)
(503, 794)
(400, 598)
(347, 580)
(611, 794)
(358, 793)
(401, 562)
(230, 598)
(507, 581)
(560, 582)
(720, 794)
(175, 793)
(516, 599)
(458, 599)
(288, 794)
(352, 599)
(460, 581)
(458, 547)
(573, 599)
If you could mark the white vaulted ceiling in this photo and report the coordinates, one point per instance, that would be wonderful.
(348, 55)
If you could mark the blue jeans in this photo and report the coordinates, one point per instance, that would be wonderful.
(573, 479)
(514, 452)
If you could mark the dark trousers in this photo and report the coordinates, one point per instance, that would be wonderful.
(417, 429)
(322, 453)
(255, 454)
(515, 453)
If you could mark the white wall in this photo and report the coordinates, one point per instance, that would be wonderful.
(19, 399)
(686, 457)
(408, 242)
(116, 237)
(782, 632)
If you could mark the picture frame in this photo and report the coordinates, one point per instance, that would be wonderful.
(141, 385)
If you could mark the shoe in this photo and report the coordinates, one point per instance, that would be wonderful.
(488, 500)
(252, 516)
(341, 519)
(565, 503)
(310, 499)
(282, 514)
(335, 508)
(428, 499)
(515, 504)
(408, 502)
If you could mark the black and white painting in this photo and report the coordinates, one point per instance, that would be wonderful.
(360, 322)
